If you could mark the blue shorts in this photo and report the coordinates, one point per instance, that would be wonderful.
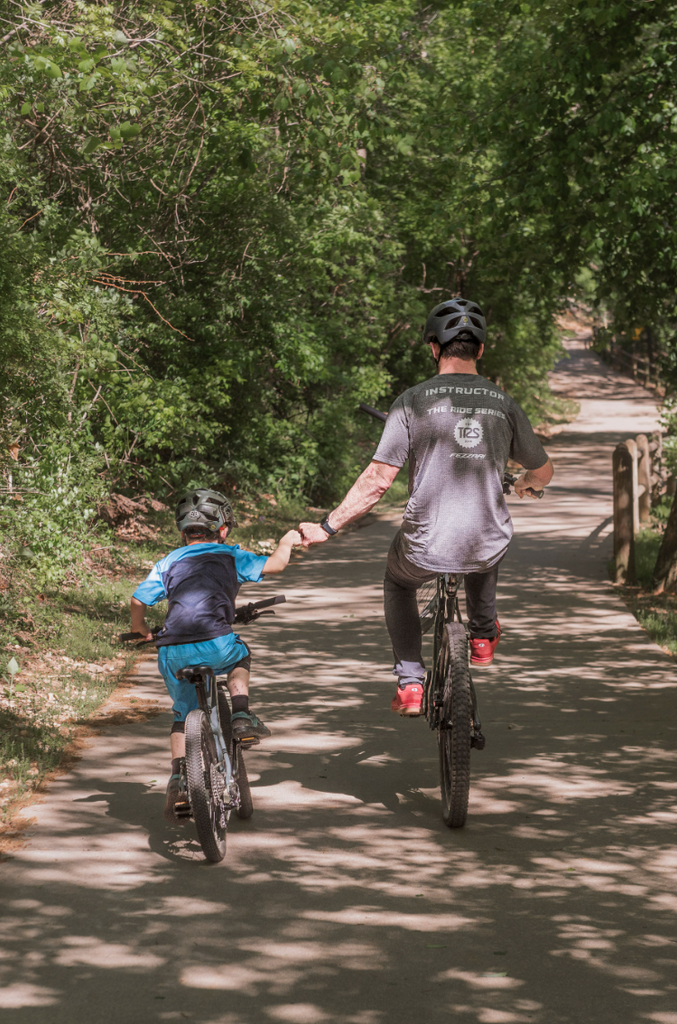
(221, 654)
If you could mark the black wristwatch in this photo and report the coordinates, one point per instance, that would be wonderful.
(327, 528)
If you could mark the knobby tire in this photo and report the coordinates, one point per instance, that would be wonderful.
(454, 732)
(205, 803)
(246, 808)
(236, 755)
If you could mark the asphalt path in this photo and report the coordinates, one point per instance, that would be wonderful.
(345, 898)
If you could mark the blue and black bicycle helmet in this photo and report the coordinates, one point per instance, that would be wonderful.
(455, 318)
(206, 508)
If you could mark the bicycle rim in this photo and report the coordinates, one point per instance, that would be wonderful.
(454, 734)
(205, 787)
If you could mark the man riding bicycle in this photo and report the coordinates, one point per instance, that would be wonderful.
(458, 431)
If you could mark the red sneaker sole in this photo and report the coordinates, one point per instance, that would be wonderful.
(408, 712)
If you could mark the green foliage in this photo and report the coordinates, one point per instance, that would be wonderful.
(222, 233)
(656, 613)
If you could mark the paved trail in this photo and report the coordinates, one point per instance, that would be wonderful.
(345, 899)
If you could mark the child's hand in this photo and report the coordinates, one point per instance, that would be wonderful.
(279, 560)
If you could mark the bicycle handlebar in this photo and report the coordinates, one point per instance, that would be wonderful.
(371, 411)
(509, 478)
(249, 612)
(244, 614)
(126, 637)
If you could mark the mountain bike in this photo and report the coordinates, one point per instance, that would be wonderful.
(449, 701)
(214, 775)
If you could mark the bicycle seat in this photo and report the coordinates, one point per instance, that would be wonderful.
(188, 672)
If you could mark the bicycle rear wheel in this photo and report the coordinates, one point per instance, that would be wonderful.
(205, 787)
(246, 808)
(454, 733)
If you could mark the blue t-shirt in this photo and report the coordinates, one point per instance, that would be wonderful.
(200, 582)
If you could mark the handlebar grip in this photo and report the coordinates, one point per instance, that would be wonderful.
(280, 599)
(376, 413)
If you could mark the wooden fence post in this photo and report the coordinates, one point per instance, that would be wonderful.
(644, 478)
(631, 445)
(624, 468)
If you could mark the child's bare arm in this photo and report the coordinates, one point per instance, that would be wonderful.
(138, 612)
(279, 560)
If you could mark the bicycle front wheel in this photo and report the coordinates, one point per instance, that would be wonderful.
(454, 733)
(205, 787)
(427, 602)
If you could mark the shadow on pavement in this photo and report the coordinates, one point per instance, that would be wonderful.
(345, 899)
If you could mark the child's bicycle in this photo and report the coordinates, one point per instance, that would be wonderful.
(450, 701)
(214, 775)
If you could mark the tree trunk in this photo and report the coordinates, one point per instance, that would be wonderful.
(665, 570)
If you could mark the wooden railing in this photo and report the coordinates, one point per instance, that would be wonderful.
(636, 364)
(640, 480)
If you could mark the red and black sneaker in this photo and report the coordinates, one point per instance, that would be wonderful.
(408, 699)
(482, 650)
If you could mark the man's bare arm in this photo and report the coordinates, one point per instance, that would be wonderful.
(367, 490)
(537, 479)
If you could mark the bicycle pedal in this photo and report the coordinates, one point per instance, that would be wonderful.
(478, 741)
(183, 810)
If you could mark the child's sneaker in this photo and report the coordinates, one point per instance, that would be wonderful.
(482, 650)
(408, 699)
(248, 729)
(176, 801)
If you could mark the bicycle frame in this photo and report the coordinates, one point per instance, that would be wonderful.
(204, 680)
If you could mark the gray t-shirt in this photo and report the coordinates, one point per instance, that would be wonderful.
(458, 431)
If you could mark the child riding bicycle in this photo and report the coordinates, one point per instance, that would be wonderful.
(200, 580)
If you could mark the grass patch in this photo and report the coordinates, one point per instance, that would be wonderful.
(657, 614)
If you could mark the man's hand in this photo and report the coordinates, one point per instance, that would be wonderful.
(522, 488)
(312, 533)
(534, 480)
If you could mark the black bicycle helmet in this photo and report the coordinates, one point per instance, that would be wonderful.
(454, 318)
(205, 508)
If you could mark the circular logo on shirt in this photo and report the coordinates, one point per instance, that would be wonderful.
(468, 432)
